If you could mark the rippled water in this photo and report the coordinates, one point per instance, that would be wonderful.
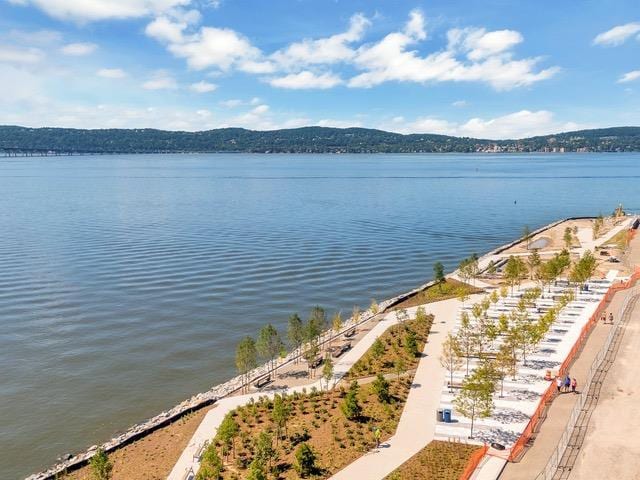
(125, 281)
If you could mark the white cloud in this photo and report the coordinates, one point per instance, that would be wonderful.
(78, 49)
(92, 10)
(489, 55)
(17, 55)
(629, 76)
(231, 103)
(521, 124)
(214, 47)
(324, 50)
(479, 44)
(617, 35)
(460, 103)
(161, 80)
(306, 80)
(111, 73)
(202, 87)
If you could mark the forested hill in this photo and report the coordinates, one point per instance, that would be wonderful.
(22, 140)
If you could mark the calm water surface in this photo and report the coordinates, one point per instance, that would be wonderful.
(125, 281)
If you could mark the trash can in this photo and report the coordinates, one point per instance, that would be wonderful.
(446, 415)
(440, 415)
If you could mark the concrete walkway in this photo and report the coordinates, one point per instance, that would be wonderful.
(417, 423)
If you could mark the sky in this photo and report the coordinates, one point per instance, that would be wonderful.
(487, 69)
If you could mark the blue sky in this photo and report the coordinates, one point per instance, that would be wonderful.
(491, 69)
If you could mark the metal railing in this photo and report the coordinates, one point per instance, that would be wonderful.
(554, 461)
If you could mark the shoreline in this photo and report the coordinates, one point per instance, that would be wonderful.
(232, 386)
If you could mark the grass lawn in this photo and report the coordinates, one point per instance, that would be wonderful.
(436, 461)
(448, 289)
(316, 419)
(393, 341)
(619, 240)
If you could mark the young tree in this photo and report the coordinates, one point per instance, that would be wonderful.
(374, 307)
(515, 271)
(327, 370)
(421, 316)
(310, 354)
(211, 465)
(336, 323)
(269, 344)
(475, 399)
(355, 315)
(411, 344)
(402, 315)
(246, 357)
(377, 348)
(503, 365)
(295, 332)
(438, 274)
(463, 295)
(534, 263)
(584, 268)
(305, 463)
(317, 323)
(451, 356)
(568, 238)
(466, 337)
(100, 465)
(526, 235)
(598, 223)
(227, 433)
(280, 415)
(350, 406)
(264, 452)
(399, 366)
(381, 388)
(491, 268)
(256, 471)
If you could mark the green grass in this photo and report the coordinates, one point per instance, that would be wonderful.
(444, 291)
(436, 461)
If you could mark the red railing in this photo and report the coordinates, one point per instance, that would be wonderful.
(474, 460)
(548, 394)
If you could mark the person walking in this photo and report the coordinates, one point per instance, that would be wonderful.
(567, 383)
(611, 318)
(376, 434)
(559, 383)
(604, 318)
(574, 384)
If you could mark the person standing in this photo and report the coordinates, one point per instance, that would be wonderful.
(559, 383)
(376, 434)
(567, 383)
(611, 318)
(574, 384)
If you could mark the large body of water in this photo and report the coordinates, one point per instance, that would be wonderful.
(126, 281)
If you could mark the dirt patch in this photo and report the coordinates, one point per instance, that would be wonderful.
(152, 457)
(316, 419)
(436, 461)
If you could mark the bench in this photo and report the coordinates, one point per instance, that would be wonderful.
(337, 351)
(261, 382)
(316, 363)
(200, 451)
(350, 333)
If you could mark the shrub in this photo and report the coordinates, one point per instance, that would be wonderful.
(381, 388)
(100, 465)
(305, 463)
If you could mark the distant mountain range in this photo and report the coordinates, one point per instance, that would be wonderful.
(22, 140)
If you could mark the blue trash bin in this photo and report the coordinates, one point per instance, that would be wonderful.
(447, 415)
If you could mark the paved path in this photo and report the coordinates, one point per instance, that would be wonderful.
(417, 423)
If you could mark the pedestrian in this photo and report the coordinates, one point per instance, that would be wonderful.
(567, 383)
(376, 434)
(604, 317)
(574, 384)
(559, 383)
(611, 318)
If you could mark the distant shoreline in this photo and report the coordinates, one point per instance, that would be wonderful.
(16, 140)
